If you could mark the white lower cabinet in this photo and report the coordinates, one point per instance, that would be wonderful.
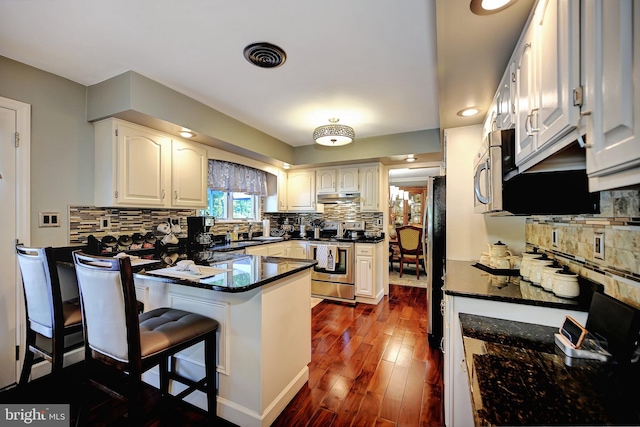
(297, 249)
(457, 391)
(611, 66)
(368, 273)
(270, 249)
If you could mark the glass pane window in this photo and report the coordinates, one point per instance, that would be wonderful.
(242, 206)
(217, 203)
(227, 206)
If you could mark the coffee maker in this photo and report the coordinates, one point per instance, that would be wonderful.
(199, 236)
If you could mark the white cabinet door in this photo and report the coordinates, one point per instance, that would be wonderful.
(257, 250)
(301, 190)
(275, 249)
(326, 181)
(611, 63)
(506, 107)
(348, 180)
(557, 60)
(527, 103)
(364, 275)
(296, 249)
(369, 188)
(131, 165)
(276, 200)
(188, 175)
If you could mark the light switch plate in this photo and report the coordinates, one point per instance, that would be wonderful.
(49, 219)
(598, 245)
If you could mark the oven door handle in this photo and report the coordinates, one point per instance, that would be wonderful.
(476, 180)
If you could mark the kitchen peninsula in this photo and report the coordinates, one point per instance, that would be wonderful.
(264, 347)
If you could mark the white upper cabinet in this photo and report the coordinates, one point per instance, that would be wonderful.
(526, 105)
(348, 180)
(326, 181)
(369, 188)
(547, 64)
(611, 63)
(140, 167)
(189, 166)
(276, 200)
(506, 99)
(332, 180)
(301, 190)
(558, 63)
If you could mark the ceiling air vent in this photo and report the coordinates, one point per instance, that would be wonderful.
(265, 55)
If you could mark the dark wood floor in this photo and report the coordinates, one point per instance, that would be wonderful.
(371, 366)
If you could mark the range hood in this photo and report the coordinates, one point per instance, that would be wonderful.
(338, 198)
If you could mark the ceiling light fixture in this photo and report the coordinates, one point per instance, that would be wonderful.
(488, 7)
(334, 135)
(468, 112)
(186, 133)
(410, 158)
(286, 165)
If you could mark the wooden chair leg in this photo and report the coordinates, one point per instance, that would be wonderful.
(163, 367)
(401, 266)
(417, 269)
(210, 372)
(28, 357)
(57, 355)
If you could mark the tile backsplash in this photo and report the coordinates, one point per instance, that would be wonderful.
(85, 220)
(618, 226)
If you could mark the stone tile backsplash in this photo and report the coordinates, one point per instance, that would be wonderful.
(85, 220)
(618, 269)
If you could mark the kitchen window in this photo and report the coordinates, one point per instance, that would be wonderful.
(232, 205)
(234, 191)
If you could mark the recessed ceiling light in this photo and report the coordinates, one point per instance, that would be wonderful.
(410, 158)
(487, 7)
(186, 133)
(467, 112)
(286, 165)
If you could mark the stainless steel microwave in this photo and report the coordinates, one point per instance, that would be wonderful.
(498, 188)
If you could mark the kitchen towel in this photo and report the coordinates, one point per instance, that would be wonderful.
(333, 251)
(321, 256)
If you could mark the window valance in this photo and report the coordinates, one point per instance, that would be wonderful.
(233, 177)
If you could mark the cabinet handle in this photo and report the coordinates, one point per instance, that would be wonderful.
(175, 196)
(535, 112)
(442, 342)
(463, 366)
(163, 194)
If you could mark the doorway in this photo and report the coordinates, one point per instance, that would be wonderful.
(408, 197)
(15, 141)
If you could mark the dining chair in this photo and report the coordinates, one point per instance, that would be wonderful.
(410, 243)
(47, 315)
(119, 339)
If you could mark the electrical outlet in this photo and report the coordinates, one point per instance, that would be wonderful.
(105, 223)
(49, 219)
(598, 245)
(554, 237)
(379, 222)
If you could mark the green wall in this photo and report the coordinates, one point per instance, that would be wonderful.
(61, 144)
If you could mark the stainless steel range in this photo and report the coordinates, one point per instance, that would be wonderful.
(333, 277)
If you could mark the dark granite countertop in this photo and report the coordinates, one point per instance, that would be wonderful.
(463, 279)
(244, 272)
(519, 377)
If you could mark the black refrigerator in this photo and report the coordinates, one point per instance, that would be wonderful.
(434, 224)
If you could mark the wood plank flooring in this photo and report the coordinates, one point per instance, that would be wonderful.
(371, 366)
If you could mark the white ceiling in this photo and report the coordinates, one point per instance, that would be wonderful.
(374, 64)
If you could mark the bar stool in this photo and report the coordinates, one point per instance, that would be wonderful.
(46, 314)
(118, 338)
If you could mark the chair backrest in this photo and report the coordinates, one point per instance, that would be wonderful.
(109, 308)
(409, 239)
(41, 285)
